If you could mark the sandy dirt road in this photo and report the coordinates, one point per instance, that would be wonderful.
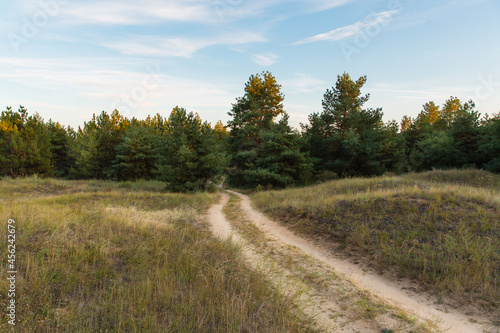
(315, 306)
(395, 293)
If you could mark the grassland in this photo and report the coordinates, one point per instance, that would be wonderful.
(351, 306)
(441, 228)
(125, 257)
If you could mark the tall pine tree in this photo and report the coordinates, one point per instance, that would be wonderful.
(346, 139)
(263, 151)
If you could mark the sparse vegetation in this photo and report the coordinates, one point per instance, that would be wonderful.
(103, 257)
(302, 270)
(440, 227)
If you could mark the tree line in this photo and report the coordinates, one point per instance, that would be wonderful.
(257, 147)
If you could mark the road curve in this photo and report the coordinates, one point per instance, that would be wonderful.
(451, 321)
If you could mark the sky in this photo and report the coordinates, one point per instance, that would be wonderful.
(69, 59)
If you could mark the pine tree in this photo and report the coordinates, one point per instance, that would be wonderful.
(449, 111)
(60, 143)
(342, 104)
(489, 144)
(263, 151)
(94, 150)
(346, 139)
(280, 160)
(84, 152)
(136, 154)
(446, 138)
(25, 144)
(436, 150)
(466, 133)
(192, 155)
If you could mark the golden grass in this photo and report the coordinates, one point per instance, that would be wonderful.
(100, 257)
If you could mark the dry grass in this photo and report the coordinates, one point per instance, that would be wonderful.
(35, 186)
(104, 257)
(352, 304)
(441, 228)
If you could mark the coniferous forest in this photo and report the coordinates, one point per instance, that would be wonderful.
(257, 148)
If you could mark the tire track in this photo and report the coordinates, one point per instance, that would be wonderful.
(450, 321)
(315, 306)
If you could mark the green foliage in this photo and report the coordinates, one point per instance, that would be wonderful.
(136, 154)
(264, 152)
(392, 154)
(95, 146)
(279, 161)
(60, 142)
(258, 145)
(465, 131)
(110, 146)
(342, 105)
(25, 144)
(489, 144)
(348, 140)
(437, 150)
(192, 156)
(446, 138)
(84, 151)
(255, 111)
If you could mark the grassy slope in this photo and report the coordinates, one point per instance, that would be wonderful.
(441, 227)
(304, 271)
(100, 256)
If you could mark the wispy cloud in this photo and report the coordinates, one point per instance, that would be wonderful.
(98, 83)
(266, 59)
(413, 91)
(304, 83)
(177, 46)
(320, 5)
(135, 13)
(129, 12)
(350, 30)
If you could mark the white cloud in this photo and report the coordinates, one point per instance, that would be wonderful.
(345, 32)
(266, 59)
(136, 13)
(93, 78)
(320, 5)
(177, 46)
(134, 93)
(304, 83)
(129, 12)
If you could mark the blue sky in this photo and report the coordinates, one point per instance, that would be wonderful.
(69, 59)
